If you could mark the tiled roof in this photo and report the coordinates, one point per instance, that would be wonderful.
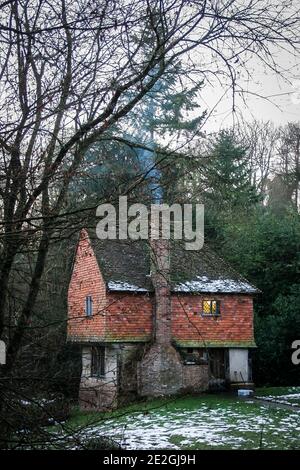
(125, 265)
(205, 271)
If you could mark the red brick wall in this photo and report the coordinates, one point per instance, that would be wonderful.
(128, 316)
(116, 315)
(234, 324)
(86, 280)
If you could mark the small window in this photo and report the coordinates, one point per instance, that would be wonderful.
(98, 361)
(88, 306)
(211, 307)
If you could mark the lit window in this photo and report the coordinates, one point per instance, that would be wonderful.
(210, 307)
(98, 361)
(89, 306)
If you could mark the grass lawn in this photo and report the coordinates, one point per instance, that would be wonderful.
(284, 395)
(201, 422)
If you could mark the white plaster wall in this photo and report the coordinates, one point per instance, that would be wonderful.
(111, 363)
(2, 353)
(238, 365)
(99, 393)
(86, 362)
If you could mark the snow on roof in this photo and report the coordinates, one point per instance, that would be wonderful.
(124, 286)
(204, 284)
(201, 284)
(125, 265)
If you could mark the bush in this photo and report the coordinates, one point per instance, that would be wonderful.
(101, 443)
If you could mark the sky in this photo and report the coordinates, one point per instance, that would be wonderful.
(283, 95)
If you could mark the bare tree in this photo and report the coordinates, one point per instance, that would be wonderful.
(288, 162)
(71, 71)
(261, 139)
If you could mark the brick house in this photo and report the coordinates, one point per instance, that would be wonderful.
(155, 319)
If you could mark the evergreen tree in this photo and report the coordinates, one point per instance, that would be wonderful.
(226, 175)
(265, 248)
(114, 163)
(162, 120)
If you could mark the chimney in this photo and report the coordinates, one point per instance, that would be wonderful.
(160, 371)
(160, 274)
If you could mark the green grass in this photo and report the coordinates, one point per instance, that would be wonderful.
(83, 418)
(284, 395)
(195, 422)
(275, 391)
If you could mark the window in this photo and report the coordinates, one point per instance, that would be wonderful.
(211, 307)
(89, 306)
(98, 361)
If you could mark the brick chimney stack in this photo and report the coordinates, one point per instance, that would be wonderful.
(160, 274)
(160, 371)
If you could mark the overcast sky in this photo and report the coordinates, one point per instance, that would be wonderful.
(284, 96)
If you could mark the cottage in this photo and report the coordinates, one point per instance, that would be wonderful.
(153, 319)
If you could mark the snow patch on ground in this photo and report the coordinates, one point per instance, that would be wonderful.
(37, 401)
(284, 399)
(204, 426)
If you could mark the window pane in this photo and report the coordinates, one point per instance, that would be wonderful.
(206, 306)
(102, 362)
(98, 361)
(94, 362)
(210, 307)
(88, 305)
